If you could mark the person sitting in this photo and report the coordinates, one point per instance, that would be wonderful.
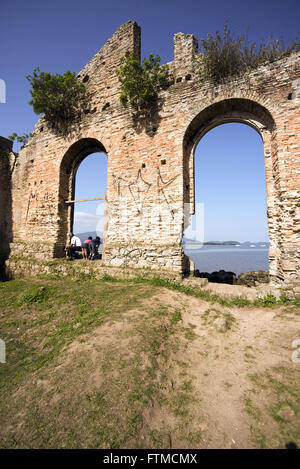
(94, 246)
(75, 245)
(85, 248)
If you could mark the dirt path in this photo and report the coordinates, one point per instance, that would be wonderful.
(222, 364)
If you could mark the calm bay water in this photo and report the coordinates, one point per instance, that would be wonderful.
(230, 258)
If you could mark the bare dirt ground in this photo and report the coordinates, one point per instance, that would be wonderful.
(231, 374)
(157, 371)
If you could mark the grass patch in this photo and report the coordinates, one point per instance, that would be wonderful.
(55, 314)
(267, 301)
(180, 403)
(96, 364)
(279, 385)
(55, 400)
(211, 314)
(252, 410)
(34, 295)
(190, 334)
(258, 437)
(176, 317)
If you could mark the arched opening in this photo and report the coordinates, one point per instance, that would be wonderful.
(89, 192)
(205, 125)
(230, 202)
(82, 178)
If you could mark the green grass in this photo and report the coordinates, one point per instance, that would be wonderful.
(211, 314)
(42, 317)
(252, 410)
(128, 341)
(34, 295)
(190, 334)
(267, 301)
(71, 312)
(259, 437)
(180, 403)
(176, 317)
(280, 386)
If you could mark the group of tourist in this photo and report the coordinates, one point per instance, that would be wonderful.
(89, 248)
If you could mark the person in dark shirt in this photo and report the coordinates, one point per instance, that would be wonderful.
(93, 247)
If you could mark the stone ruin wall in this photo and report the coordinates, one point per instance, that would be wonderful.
(6, 160)
(151, 165)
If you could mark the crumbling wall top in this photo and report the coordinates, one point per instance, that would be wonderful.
(185, 50)
(107, 59)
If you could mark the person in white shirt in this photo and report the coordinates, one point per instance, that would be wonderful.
(75, 245)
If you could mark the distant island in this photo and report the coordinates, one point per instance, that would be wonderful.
(247, 244)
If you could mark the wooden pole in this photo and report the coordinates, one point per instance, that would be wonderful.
(82, 200)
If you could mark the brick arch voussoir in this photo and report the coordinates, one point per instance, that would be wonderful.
(234, 92)
(228, 109)
(78, 150)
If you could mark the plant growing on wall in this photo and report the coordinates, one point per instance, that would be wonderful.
(57, 96)
(140, 82)
(23, 139)
(226, 55)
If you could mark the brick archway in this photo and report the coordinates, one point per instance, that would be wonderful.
(259, 118)
(71, 160)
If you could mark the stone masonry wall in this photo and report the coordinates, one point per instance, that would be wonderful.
(5, 194)
(150, 166)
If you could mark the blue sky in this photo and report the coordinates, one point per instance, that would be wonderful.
(91, 181)
(60, 35)
(230, 182)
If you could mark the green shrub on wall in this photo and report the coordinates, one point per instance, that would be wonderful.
(22, 139)
(140, 82)
(226, 55)
(58, 97)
